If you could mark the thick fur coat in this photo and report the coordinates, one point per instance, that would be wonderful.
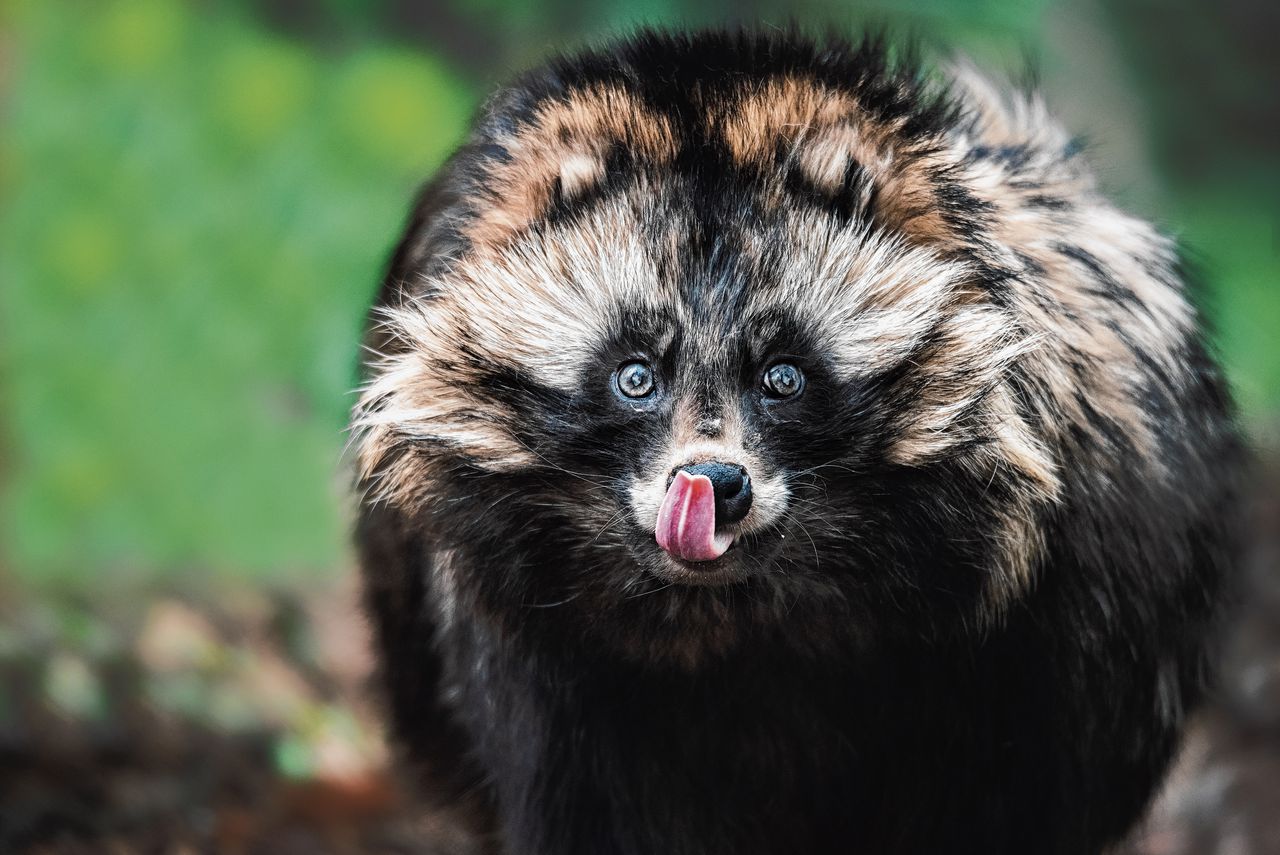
(974, 597)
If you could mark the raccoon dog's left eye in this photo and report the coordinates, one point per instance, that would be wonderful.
(635, 380)
(783, 380)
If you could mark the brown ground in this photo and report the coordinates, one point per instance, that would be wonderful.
(239, 722)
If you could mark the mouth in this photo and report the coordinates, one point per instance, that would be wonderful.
(697, 551)
(701, 576)
(686, 528)
(720, 571)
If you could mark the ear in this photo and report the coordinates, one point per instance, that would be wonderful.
(555, 151)
(436, 230)
(909, 189)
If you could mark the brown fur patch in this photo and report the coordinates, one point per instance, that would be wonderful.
(822, 132)
(564, 150)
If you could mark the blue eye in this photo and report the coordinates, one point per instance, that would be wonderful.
(635, 380)
(783, 380)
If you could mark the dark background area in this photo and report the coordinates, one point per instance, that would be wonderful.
(196, 200)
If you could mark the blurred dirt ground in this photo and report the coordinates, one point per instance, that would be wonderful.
(240, 721)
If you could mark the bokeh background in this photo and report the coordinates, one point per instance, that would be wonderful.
(197, 201)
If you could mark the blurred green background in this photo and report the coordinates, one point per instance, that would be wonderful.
(198, 198)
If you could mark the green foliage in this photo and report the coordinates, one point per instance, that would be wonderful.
(1235, 239)
(198, 212)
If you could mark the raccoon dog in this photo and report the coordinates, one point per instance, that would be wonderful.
(767, 448)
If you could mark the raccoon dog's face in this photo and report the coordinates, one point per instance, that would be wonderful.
(705, 361)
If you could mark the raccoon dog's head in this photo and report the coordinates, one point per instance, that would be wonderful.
(703, 337)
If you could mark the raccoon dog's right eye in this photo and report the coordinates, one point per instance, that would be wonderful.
(635, 379)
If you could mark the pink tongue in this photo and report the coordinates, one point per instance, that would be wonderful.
(687, 520)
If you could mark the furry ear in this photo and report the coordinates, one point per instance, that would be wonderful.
(557, 153)
(907, 189)
(865, 164)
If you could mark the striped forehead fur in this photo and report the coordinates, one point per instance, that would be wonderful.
(873, 294)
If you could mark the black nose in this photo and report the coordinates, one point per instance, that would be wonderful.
(732, 487)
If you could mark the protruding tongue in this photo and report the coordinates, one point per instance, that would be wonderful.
(687, 520)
